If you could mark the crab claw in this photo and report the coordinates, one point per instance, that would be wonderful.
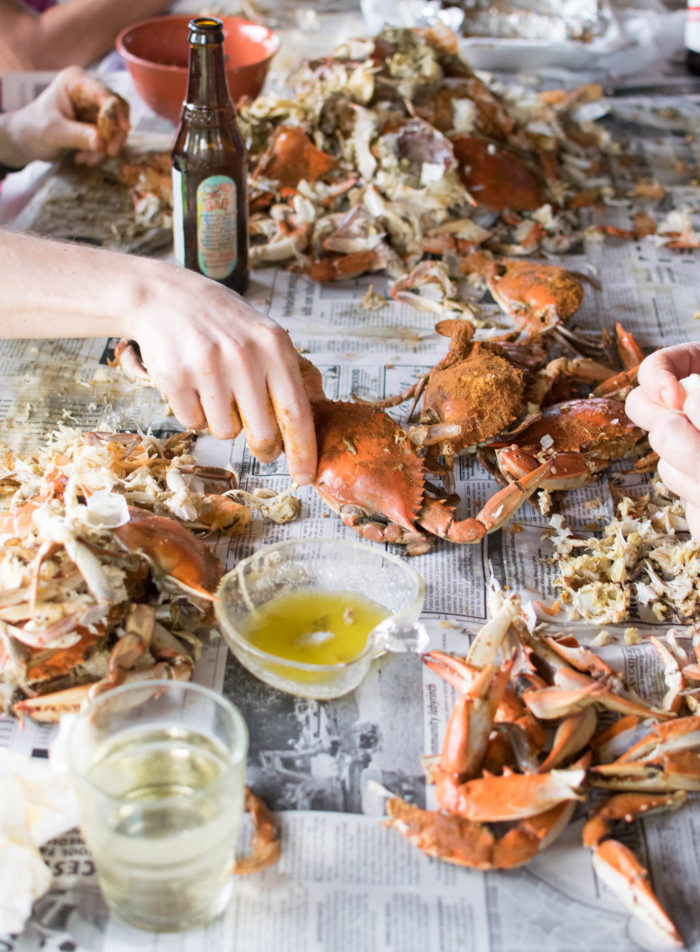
(509, 796)
(439, 519)
(619, 869)
(470, 723)
(172, 550)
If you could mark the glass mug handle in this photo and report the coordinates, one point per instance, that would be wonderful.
(399, 639)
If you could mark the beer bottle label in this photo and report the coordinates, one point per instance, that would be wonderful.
(217, 213)
(178, 218)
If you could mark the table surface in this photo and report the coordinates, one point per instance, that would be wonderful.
(344, 881)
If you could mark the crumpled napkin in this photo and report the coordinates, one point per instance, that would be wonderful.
(36, 803)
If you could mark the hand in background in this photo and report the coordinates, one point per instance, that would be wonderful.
(76, 111)
(660, 405)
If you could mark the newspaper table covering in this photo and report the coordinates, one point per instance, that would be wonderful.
(345, 882)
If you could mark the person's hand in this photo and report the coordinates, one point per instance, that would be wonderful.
(76, 111)
(660, 405)
(224, 365)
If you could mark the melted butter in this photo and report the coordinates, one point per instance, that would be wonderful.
(314, 626)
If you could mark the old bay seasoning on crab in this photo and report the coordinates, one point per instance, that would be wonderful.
(210, 205)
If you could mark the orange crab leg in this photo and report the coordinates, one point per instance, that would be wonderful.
(631, 354)
(619, 383)
(510, 796)
(572, 736)
(627, 806)
(470, 723)
(439, 520)
(619, 869)
(455, 840)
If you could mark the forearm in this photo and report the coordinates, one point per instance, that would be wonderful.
(74, 33)
(56, 289)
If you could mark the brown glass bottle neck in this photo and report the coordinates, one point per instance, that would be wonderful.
(207, 86)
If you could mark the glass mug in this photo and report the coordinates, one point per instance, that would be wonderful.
(159, 773)
(333, 567)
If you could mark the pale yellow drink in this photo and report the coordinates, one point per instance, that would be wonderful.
(160, 774)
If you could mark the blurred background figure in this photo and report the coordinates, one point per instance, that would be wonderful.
(45, 35)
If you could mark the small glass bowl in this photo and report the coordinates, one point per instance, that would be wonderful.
(329, 565)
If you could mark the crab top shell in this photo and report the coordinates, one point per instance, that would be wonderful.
(496, 177)
(482, 391)
(594, 425)
(367, 460)
(545, 292)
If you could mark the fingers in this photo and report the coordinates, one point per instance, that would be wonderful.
(294, 416)
(643, 411)
(660, 372)
(677, 441)
(311, 379)
(692, 514)
(219, 408)
(187, 408)
(687, 487)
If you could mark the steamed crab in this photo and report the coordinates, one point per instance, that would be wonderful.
(580, 437)
(370, 472)
(538, 297)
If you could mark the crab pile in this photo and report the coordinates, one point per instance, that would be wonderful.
(393, 148)
(530, 737)
(102, 578)
(642, 561)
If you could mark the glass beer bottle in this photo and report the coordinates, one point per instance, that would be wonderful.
(210, 202)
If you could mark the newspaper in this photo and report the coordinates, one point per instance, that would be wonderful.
(344, 881)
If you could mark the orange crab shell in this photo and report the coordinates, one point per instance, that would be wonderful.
(495, 177)
(482, 392)
(366, 460)
(593, 425)
(528, 290)
(292, 156)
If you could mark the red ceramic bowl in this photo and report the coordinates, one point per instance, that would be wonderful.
(156, 52)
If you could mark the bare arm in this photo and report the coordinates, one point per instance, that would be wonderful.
(216, 360)
(76, 32)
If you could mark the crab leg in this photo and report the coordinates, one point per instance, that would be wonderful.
(627, 806)
(264, 842)
(679, 770)
(572, 736)
(470, 724)
(619, 869)
(679, 734)
(456, 840)
(440, 521)
(631, 354)
(621, 383)
(509, 796)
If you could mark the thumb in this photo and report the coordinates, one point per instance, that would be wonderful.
(659, 381)
(80, 136)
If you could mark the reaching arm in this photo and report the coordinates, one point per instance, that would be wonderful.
(216, 360)
(75, 32)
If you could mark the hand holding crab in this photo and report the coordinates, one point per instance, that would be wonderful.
(76, 111)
